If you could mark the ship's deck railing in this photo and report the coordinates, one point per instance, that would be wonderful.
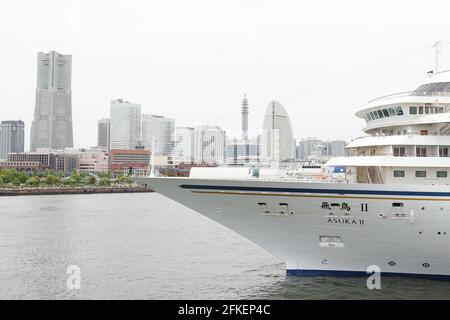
(413, 133)
(277, 179)
(410, 93)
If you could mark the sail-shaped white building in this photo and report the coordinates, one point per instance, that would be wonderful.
(277, 143)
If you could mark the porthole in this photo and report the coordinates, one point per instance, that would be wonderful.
(426, 265)
(392, 263)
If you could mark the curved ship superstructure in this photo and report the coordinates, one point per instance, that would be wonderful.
(387, 204)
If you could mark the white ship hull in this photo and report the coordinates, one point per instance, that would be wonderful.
(328, 228)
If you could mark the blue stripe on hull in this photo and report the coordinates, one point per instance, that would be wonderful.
(343, 273)
(326, 191)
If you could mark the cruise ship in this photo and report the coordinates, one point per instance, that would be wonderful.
(386, 204)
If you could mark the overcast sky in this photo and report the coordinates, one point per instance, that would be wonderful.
(194, 60)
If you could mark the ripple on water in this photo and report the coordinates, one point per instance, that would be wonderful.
(144, 246)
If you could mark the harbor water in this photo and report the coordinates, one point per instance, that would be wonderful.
(145, 246)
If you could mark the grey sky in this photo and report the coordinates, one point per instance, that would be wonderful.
(194, 60)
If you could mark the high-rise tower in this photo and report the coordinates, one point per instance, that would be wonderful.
(162, 129)
(52, 124)
(103, 134)
(125, 124)
(277, 140)
(245, 118)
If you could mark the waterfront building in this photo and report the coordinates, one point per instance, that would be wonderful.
(126, 160)
(125, 124)
(27, 166)
(209, 144)
(183, 149)
(103, 134)
(277, 143)
(91, 160)
(12, 136)
(53, 160)
(162, 129)
(52, 123)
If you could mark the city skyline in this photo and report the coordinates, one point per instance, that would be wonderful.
(209, 69)
(54, 78)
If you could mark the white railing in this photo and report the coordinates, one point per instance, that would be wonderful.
(392, 95)
(410, 93)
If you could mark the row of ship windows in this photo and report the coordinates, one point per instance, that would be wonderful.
(398, 111)
(420, 152)
(426, 110)
(384, 113)
(419, 174)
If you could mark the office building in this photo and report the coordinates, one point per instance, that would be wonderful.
(91, 160)
(125, 124)
(209, 144)
(12, 136)
(129, 161)
(277, 143)
(52, 124)
(243, 151)
(337, 148)
(56, 161)
(103, 133)
(183, 149)
(162, 129)
(316, 149)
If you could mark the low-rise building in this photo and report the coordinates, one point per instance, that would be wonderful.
(27, 166)
(92, 160)
(132, 161)
(53, 160)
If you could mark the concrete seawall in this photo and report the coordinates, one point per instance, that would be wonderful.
(72, 190)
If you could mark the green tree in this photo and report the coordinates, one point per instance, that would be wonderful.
(33, 181)
(70, 181)
(125, 180)
(6, 176)
(76, 176)
(105, 182)
(35, 173)
(90, 180)
(51, 180)
(22, 176)
(47, 172)
(16, 182)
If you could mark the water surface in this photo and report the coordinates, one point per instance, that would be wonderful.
(145, 246)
